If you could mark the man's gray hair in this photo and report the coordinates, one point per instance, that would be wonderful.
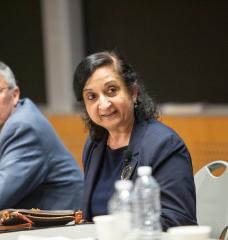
(8, 75)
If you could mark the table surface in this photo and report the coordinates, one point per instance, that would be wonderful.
(71, 232)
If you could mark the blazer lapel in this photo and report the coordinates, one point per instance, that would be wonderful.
(97, 152)
(138, 132)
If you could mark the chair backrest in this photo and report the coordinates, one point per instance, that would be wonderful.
(224, 235)
(212, 197)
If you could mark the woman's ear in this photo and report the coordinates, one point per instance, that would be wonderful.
(134, 93)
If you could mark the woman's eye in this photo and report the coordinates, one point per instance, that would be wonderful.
(91, 96)
(112, 90)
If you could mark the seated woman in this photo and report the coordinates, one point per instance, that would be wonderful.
(125, 134)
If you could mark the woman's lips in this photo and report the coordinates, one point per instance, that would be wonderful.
(109, 115)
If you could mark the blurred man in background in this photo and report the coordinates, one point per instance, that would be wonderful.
(36, 170)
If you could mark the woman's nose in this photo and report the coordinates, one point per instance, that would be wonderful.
(104, 102)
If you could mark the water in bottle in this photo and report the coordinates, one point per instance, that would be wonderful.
(146, 205)
(120, 206)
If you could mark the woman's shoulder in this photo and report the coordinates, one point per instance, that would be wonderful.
(158, 125)
(161, 130)
(161, 139)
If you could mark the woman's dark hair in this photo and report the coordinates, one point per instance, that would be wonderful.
(145, 108)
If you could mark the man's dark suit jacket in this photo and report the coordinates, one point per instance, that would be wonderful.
(154, 144)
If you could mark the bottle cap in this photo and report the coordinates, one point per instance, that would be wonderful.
(144, 170)
(123, 185)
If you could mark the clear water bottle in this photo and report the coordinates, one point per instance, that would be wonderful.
(120, 207)
(146, 204)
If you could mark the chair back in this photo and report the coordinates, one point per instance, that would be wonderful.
(212, 197)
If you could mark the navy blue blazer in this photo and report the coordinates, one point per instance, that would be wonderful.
(36, 170)
(156, 145)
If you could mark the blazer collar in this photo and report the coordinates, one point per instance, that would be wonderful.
(97, 153)
(95, 158)
(134, 146)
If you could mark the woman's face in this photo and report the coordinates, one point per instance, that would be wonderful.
(108, 101)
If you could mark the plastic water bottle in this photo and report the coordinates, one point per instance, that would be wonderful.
(120, 207)
(146, 205)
